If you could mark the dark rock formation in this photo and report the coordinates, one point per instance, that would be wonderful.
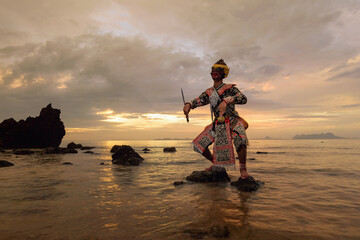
(73, 145)
(178, 183)
(126, 155)
(23, 152)
(67, 163)
(208, 176)
(170, 149)
(247, 185)
(59, 150)
(46, 130)
(4, 163)
(114, 148)
(86, 148)
(258, 152)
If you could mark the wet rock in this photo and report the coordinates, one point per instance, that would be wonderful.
(247, 185)
(102, 163)
(23, 152)
(178, 183)
(46, 130)
(258, 152)
(86, 148)
(67, 163)
(208, 176)
(219, 231)
(114, 148)
(4, 163)
(59, 150)
(90, 152)
(251, 159)
(126, 155)
(73, 145)
(170, 149)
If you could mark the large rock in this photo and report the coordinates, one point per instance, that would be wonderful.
(4, 163)
(208, 176)
(126, 155)
(73, 145)
(170, 149)
(46, 130)
(247, 185)
(114, 148)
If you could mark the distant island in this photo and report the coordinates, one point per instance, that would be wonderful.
(317, 136)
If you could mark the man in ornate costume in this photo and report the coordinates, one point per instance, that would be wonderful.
(227, 127)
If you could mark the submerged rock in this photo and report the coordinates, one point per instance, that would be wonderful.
(170, 149)
(247, 185)
(208, 176)
(46, 130)
(59, 150)
(67, 163)
(126, 155)
(251, 159)
(73, 145)
(178, 183)
(258, 152)
(4, 163)
(23, 152)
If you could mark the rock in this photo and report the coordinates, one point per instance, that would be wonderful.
(91, 152)
(251, 159)
(114, 148)
(67, 163)
(46, 130)
(102, 163)
(258, 152)
(247, 185)
(23, 152)
(170, 149)
(59, 150)
(146, 150)
(208, 176)
(73, 145)
(126, 155)
(86, 148)
(220, 231)
(4, 163)
(178, 183)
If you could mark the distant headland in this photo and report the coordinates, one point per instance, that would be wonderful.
(317, 136)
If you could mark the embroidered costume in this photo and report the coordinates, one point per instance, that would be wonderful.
(225, 129)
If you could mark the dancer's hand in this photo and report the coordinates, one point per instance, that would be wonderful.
(222, 107)
(186, 108)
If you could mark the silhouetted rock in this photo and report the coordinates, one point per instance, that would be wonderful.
(114, 148)
(170, 149)
(86, 148)
(73, 145)
(247, 185)
(102, 163)
(59, 150)
(251, 159)
(126, 155)
(258, 152)
(90, 152)
(67, 163)
(23, 152)
(178, 183)
(4, 163)
(46, 130)
(146, 150)
(208, 176)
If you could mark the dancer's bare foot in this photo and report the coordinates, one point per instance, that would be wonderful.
(243, 173)
(208, 169)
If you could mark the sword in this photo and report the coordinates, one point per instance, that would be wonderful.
(182, 94)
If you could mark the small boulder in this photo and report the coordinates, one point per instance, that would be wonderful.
(4, 163)
(178, 183)
(23, 152)
(208, 176)
(59, 150)
(170, 149)
(102, 163)
(247, 185)
(146, 150)
(251, 159)
(258, 152)
(67, 163)
(126, 155)
(114, 148)
(73, 145)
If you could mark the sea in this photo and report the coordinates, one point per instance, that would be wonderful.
(311, 191)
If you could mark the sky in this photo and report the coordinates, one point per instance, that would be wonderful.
(115, 68)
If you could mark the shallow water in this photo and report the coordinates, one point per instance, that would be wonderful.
(311, 192)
